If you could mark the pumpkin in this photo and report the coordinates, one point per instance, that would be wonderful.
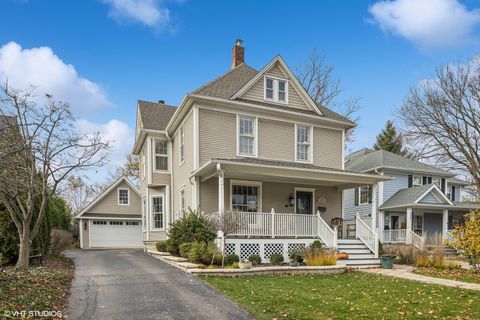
(342, 256)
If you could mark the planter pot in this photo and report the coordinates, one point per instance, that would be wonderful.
(245, 265)
(293, 264)
(387, 262)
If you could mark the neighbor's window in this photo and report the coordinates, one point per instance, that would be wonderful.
(365, 194)
(247, 136)
(182, 200)
(245, 198)
(161, 155)
(436, 181)
(157, 212)
(182, 145)
(276, 89)
(417, 181)
(123, 196)
(303, 140)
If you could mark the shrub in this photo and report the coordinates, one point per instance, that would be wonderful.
(467, 239)
(185, 249)
(320, 257)
(231, 259)
(197, 251)
(255, 259)
(162, 246)
(193, 227)
(211, 254)
(297, 256)
(421, 259)
(438, 259)
(172, 248)
(317, 244)
(405, 255)
(2, 261)
(276, 259)
(235, 265)
(59, 241)
(452, 264)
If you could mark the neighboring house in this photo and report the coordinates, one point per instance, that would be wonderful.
(252, 142)
(113, 219)
(420, 200)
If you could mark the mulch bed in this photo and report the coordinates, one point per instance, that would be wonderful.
(43, 288)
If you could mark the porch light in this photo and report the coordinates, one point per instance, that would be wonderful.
(291, 201)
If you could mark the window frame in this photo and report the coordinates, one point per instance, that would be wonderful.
(128, 196)
(369, 198)
(310, 134)
(255, 136)
(247, 183)
(155, 155)
(413, 181)
(152, 213)
(182, 199)
(181, 146)
(276, 89)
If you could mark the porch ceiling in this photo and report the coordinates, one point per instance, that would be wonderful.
(287, 172)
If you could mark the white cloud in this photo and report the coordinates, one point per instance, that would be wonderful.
(42, 68)
(151, 13)
(427, 23)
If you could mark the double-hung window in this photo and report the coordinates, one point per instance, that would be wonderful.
(246, 197)
(182, 146)
(417, 180)
(157, 212)
(247, 136)
(303, 139)
(161, 155)
(123, 196)
(276, 89)
(365, 194)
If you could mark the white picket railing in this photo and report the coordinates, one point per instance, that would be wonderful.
(394, 236)
(367, 235)
(367, 219)
(262, 224)
(417, 240)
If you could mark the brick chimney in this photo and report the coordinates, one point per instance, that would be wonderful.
(238, 54)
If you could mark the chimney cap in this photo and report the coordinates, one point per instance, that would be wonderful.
(161, 101)
(238, 42)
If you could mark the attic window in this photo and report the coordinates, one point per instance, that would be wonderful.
(276, 89)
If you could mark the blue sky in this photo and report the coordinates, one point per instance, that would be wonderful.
(102, 56)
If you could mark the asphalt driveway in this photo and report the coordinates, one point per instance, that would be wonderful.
(128, 284)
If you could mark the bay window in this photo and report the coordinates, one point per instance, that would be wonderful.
(161, 155)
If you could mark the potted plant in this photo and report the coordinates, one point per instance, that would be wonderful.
(387, 258)
(296, 257)
(245, 264)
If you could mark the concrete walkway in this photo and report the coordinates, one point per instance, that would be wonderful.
(406, 272)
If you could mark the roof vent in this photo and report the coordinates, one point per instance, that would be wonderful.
(161, 101)
(238, 54)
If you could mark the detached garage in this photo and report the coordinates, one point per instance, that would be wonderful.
(113, 219)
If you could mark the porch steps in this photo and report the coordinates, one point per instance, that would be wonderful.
(359, 255)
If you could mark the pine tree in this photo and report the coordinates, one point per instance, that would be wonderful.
(390, 140)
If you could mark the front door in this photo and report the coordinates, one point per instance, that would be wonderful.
(304, 202)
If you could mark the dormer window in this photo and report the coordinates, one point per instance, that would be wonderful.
(276, 89)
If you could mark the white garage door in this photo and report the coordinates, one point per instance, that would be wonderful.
(115, 234)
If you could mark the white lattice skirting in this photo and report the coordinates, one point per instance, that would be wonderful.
(244, 248)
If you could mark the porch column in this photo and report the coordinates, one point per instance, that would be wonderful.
(374, 206)
(409, 225)
(221, 203)
(381, 224)
(445, 224)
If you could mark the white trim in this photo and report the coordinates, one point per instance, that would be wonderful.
(439, 192)
(255, 138)
(106, 192)
(360, 203)
(110, 218)
(182, 188)
(181, 145)
(310, 155)
(144, 214)
(128, 196)
(147, 212)
(343, 149)
(258, 184)
(154, 156)
(152, 228)
(168, 217)
(89, 234)
(275, 82)
(196, 138)
(311, 190)
(81, 233)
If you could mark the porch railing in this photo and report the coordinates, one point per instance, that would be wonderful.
(367, 235)
(417, 240)
(367, 219)
(394, 236)
(273, 224)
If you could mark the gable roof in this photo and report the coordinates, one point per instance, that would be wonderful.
(414, 195)
(154, 115)
(106, 192)
(367, 160)
(230, 84)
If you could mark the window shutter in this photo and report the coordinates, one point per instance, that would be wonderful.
(424, 180)
(370, 195)
(429, 180)
(410, 181)
(443, 185)
(356, 196)
(453, 193)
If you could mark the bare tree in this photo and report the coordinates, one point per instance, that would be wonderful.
(79, 193)
(441, 119)
(130, 169)
(228, 223)
(40, 149)
(317, 77)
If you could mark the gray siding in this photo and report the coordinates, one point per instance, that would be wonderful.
(350, 209)
(457, 191)
(430, 198)
(390, 187)
(432, 223)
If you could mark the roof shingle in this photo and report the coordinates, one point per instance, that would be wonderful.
(155, 116)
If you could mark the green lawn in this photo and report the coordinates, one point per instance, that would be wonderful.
(452, 274)
(354, 295)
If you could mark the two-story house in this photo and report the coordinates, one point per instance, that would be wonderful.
(254, 143)
(419, 200)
